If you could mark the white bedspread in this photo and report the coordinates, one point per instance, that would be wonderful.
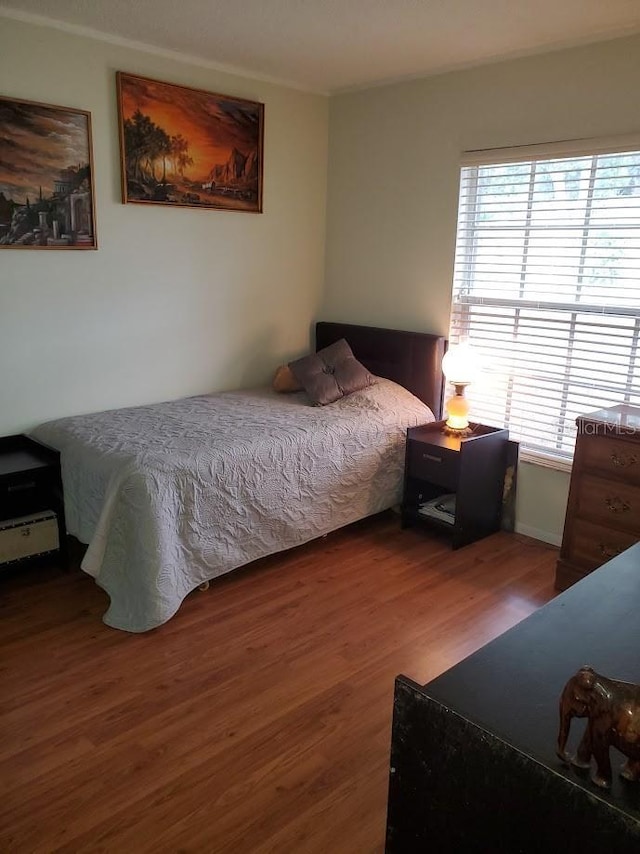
(171, 495)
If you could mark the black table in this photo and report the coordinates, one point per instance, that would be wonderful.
(473, 764)
(472, 468)
(30, 481)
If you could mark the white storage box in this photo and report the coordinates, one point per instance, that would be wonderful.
(28, 536)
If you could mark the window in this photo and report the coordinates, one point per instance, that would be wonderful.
(547, 288)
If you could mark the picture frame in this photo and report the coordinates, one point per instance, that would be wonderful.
(185, 147)
(47, 198)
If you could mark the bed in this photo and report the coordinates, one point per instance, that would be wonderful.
(170, 496)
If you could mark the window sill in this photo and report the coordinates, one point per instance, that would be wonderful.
(546, 461)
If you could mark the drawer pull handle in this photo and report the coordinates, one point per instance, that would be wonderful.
(623, 461)
(617, 505)
(19, 487)
(432, 458)
(609, 551)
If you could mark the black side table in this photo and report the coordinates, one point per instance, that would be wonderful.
(473, 754)
(464, 475)
(30, 482)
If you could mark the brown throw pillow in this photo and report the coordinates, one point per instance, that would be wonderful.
(284, 381)
(331, 373)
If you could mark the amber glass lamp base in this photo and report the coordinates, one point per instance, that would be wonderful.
(457, 423)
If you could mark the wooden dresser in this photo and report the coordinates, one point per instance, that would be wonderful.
(603, 512)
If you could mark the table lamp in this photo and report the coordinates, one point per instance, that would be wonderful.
(459, 367)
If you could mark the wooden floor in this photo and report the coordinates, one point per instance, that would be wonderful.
(256, 720)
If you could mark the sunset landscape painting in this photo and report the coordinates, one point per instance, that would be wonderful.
(186, 147)
(46, 183)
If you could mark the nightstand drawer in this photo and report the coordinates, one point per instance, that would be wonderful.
(614, 457)
(437, 465)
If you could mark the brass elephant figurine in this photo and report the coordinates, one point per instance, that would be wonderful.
(613, 710)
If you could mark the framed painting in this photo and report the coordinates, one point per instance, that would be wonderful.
(188, 148)
(46, 177)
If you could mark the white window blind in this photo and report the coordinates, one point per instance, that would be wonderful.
(547, 289)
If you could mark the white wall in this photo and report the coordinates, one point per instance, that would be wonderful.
(393, 189)
(175, 301)
(181, 301)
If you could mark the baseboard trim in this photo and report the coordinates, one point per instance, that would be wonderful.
(539, 534)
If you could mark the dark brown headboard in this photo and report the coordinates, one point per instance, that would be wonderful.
(411, 359)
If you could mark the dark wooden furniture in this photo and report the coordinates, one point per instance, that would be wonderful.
(473, 762)
(603, 511)
(30, 481)
(411, 359)
(473, 468)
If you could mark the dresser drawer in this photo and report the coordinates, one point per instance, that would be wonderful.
(592, 545)
(610, 503)
(613, 457)
(437, 465)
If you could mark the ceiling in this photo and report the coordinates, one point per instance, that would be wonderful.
(331, 45)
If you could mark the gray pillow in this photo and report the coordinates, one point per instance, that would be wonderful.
(331, 373)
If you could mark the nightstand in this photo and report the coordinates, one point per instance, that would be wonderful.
(455, 484)
(32, 519)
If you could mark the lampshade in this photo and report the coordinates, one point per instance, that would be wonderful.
(459, 364)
